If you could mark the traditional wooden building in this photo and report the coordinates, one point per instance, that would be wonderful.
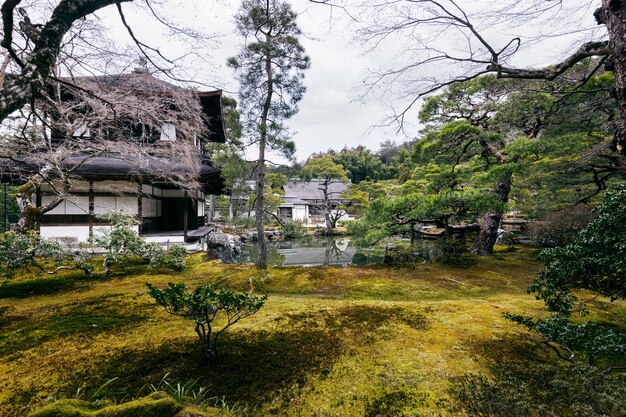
(303, 200)
(141, 186)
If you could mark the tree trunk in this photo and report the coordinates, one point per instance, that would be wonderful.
(29, 212)
(613, 15)
(329, 224)
(490, 223)
(487, 234)
(327, 207)
(260, 178)
(258, 206)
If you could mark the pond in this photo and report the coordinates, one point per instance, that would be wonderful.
(312, 251)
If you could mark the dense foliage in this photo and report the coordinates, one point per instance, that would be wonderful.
(31, 252)
(594, 260)
(9, 210)
(203, 305)
(122, 242)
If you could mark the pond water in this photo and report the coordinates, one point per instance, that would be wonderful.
(312, 251)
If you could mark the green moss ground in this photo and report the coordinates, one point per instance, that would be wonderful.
(329, 342)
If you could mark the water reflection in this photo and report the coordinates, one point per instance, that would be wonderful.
(311, 251)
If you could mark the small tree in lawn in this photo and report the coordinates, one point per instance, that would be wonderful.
(203, 305)
(270, 69)
(326, 171)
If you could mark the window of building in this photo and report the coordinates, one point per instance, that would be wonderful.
(168, 132)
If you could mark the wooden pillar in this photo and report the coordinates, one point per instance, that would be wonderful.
(140, 208)
(91, 208)
(211, 207)
(38, 204)
(185, 216)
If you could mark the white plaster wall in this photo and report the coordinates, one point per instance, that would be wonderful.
(168, 132)
(201, 208)
(345, 216)
(77, 205)
(127, 204)
(300, 213)
(79, 232)
(103, 205)
(164, 239)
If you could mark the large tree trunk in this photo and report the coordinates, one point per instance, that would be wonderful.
(327, 207)
(490, 223)
(29, 212)
(613, 15)
(487, 234)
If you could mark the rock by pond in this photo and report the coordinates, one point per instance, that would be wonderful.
(220, 246)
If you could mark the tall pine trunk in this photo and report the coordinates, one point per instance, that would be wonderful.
(259, 206)
(260, 177)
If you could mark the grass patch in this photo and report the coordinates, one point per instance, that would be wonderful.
(42, 286)
(369, 341)
(99, 315)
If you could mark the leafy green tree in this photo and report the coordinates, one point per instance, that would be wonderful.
(361, 164)
(358, 196)
(272, 195)
(230, 159)
(547, 151)
(9, 211)
(327, 171)
(593, 261)
(203, 305)
(270, 69)
(120, 240)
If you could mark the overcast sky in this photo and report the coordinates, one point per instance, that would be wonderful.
(332, 113)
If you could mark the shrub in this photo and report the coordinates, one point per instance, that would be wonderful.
(202, 307)
(173, 258)
(32, 252)
(453, 251)
(244, 222)
(591, 339)
(293, 230)
(403, 256)
(122, 242)
(559, 228)
(594, 260)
